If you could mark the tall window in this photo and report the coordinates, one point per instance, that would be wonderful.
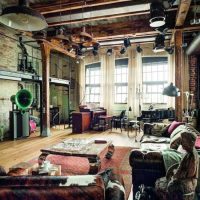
(155, 78)
(92, 83)
(121, 80)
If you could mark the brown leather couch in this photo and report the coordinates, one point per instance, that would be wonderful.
(147, 162)
(83, 187)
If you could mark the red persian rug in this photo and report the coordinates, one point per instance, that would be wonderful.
(78, 165)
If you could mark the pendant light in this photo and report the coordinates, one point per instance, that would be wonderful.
(23, 18)
(157, 13)
(171, 91)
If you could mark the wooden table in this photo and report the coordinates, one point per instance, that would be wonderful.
(91, 151)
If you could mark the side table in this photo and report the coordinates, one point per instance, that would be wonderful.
(134, 125)
(104, 122)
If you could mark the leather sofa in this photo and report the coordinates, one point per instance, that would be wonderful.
(147, 162)
(83, 187)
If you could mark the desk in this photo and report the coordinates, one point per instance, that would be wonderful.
(80, 122)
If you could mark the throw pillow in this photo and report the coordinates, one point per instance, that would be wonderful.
(173, 126)
(159, 129)
(197, 143)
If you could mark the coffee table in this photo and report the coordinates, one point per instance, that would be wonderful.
(81, 148)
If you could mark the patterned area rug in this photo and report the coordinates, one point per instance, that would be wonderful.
(77, 165)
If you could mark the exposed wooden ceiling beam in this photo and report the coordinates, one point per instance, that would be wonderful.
(66, 5)
(182, 12)
(54, 45)
(180, 17)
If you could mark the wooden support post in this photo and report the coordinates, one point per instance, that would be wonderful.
(179, 68)
(45, 83)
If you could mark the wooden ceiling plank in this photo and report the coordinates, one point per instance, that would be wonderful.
(66, 5)
(60, 23)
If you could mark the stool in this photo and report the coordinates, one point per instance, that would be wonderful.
(104, 122)
(135, 125)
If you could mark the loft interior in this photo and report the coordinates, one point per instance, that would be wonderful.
(79, 64)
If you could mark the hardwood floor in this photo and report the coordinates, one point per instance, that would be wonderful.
(13, 152)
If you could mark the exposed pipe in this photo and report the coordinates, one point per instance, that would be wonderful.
(194, 46)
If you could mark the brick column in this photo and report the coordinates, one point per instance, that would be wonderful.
(193, 78)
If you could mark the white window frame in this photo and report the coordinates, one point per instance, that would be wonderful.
(92, 88)
(153, 69)
(121, 87)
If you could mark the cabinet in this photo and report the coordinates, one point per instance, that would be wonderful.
(157, 115)
(80, 121)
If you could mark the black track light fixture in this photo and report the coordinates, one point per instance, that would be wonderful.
(139, 49)
(127, 42)
(159, 44)
(169, 50)
(123, 50)
(109, 52)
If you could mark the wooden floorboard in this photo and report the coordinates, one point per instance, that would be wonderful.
(21, 150)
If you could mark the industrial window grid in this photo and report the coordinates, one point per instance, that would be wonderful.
(92, 86)
(121, 81)
(154, 79)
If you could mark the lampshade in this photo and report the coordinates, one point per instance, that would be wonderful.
(171, 91)
(157, 14)
(23, 18)
(129, 109)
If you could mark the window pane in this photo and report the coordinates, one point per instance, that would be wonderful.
(92, 83)
(155, 76)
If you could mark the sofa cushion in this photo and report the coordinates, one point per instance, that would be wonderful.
(154, 146)
(173, 126)
(154, 139)
(159, 129)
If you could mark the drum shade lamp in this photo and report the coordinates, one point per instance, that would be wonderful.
(157, 13)
(23, 18)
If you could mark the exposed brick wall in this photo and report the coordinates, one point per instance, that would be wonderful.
(193, 78)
